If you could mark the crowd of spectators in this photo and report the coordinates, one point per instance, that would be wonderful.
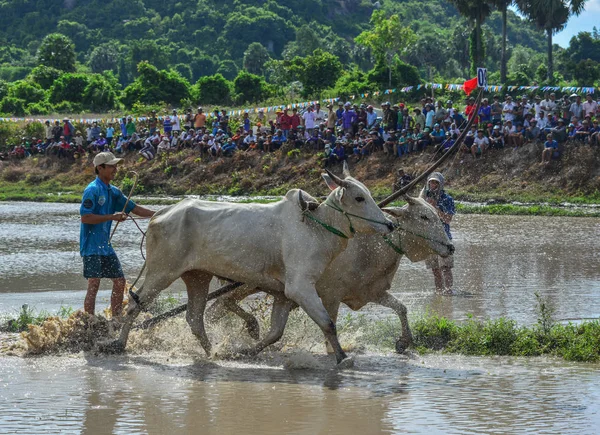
(339, 131)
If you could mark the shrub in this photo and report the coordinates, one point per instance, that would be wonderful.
(214, 89)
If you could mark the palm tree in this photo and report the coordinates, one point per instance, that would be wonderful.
(551, 16)
(477, 10)
(502, 6)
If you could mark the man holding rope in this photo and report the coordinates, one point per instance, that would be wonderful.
(101, 204)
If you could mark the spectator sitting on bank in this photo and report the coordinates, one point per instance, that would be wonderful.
(402, 179)
(391, 143)
(496, 138)
(338, 154)
(595, 134)
(550, 150)
(480, 144)
(278, 140)
(559, 133)
(437, 135)
(64, 148)
(532, 133)
(229, 148)
(583, 133)
(215, 149)
(148, 151)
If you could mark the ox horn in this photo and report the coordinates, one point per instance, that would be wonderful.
(346, 171)
(337, 180)
(304, 205)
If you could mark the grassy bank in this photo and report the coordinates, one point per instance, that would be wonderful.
(494, 182)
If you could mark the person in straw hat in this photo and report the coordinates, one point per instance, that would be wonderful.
(101, 204)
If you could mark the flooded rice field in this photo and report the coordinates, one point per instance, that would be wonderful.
(166, 384)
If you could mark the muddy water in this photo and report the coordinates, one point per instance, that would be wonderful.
(174, 388)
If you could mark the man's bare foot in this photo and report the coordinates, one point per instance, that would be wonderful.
(448, 292)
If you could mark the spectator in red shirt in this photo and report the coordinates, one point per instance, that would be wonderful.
(295, 119)
(470, 110)
(286, 123)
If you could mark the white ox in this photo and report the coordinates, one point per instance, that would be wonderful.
(361, 274)
(271, 246)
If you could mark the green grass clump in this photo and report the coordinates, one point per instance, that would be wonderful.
(573, 342)
(28, 316)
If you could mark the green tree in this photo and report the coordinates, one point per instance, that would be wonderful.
(228, 69)
(149, 51)
(69, 87)
(250, 88)
(104, 57)
(3, 89)
(317, 72)
(99, 94)
(477, 11)
(255, 57)
(57, 51)
(502, 6)
(388, 39)
(44, 76)
(551, 16)
(26, 91)
(12, 106)
(214, 89)
(155, 86)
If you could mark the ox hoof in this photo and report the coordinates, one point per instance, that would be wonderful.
(111, 347)
(346, 363)
(402, 345)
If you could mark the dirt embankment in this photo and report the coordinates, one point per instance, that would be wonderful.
(503, 175)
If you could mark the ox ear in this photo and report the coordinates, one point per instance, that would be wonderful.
(346, 171)
(397, 212)
(306, 205)
(330, 183)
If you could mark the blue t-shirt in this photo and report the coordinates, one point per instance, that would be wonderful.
(102, 199)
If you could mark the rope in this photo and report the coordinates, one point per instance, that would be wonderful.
(324, 225)
(126, 203)
(395, 247)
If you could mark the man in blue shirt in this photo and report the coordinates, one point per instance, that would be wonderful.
(443, 203)
(101, 204)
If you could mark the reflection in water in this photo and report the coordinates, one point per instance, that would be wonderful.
(383, 394)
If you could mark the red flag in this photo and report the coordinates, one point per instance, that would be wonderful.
(470, 85)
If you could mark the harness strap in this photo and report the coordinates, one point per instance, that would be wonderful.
(395, 247)
(326, 226)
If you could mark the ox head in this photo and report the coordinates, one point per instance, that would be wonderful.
(354, 200)
(420, 230)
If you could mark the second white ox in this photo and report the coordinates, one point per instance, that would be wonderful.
(271, 246)
(363, 273)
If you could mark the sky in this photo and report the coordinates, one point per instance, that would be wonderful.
(583, 23)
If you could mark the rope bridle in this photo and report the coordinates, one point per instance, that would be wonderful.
(333, 230)
(347, 215)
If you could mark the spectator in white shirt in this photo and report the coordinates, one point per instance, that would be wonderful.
(480, 144)
(508, 109)
(176, 126)
(309, 120)
(589, 107)
(576, 108)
